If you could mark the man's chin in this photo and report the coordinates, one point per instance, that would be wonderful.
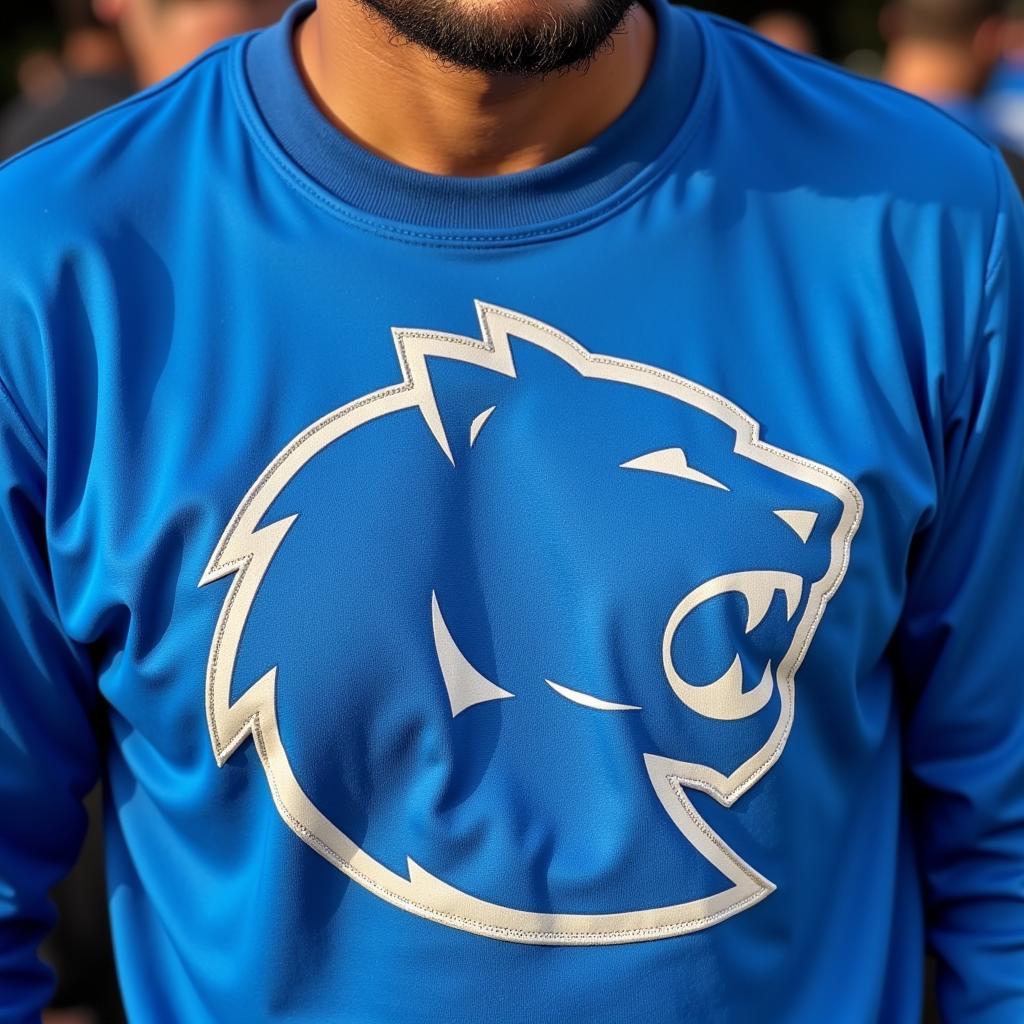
(505, 37)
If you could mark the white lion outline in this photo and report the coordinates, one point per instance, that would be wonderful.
(246, 553)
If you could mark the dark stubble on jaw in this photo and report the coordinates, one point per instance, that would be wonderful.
(554, 39)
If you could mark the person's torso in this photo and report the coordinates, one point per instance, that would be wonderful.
(498, 630)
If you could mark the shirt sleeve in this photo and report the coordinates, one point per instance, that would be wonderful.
(960, 655)
(48, 748)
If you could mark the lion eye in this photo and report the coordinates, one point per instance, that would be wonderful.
(672, 462)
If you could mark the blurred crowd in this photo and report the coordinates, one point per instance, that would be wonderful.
(110, 48)
(966, 56)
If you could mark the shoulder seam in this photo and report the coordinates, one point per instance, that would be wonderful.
(132, 101)
(22, 419)
(994, 255)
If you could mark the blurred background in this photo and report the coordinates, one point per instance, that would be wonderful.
(63, 60)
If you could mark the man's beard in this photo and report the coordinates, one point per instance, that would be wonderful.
(480, 39)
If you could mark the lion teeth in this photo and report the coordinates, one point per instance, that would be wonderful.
(759, 600)
(761, 593)
(793, 587)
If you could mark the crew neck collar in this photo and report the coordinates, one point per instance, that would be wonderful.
(572, 188)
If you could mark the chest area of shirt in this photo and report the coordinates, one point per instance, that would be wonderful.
(459, 555)
(557, 485)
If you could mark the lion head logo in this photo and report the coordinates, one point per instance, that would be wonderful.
(491, 626)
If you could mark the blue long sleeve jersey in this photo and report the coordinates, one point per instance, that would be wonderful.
(587, 594)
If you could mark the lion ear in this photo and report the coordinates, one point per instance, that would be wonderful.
(466, 397)
(459, 379)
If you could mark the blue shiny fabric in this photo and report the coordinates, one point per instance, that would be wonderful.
(447, 576)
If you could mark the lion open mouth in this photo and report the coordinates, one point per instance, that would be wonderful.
(724, 699)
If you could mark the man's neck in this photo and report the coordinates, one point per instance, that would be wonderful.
(400, 102)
